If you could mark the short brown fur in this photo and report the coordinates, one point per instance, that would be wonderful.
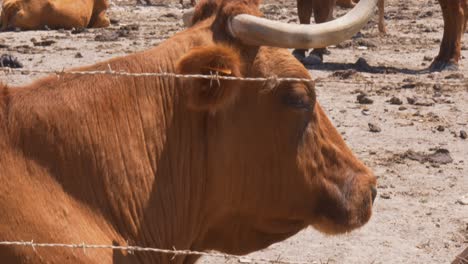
(39, 14)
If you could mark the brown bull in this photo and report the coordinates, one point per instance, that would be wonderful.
(455, 14)
(39, 14)
(193, 164)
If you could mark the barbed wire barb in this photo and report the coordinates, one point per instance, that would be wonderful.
(32, 245)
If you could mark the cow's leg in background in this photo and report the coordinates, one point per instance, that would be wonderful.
(99, 21)
(323, 12)
(382, 28)
(304, 11)
(455, 14)
(99, 17)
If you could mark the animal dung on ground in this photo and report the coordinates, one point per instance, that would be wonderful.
(107, 36)
(438, 157)
(463, 134)
(455, 76)
(362, 98)
(395, 101)
(437, 87)
(122, 32)
(420, 101)
(385, 196)
(346, 74)
(440, 128)
(408, 86)
(171, 15)
(130, 27)
(427, 58)
(44, 43)
(9, 61)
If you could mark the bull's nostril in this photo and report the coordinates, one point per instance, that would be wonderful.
(374, 193)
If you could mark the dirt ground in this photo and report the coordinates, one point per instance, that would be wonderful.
(421, 214)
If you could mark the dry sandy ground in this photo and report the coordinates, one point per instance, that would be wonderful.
(417, 217)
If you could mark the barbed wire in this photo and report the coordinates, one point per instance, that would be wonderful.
(132, 249)
(157, 74)
(272, 80)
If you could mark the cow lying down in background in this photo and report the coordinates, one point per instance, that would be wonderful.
(170, 163)
(41, 14)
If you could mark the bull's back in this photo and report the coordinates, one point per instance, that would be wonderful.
(38, 14)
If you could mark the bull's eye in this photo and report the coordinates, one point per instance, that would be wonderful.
(298, 96)
(297, 100)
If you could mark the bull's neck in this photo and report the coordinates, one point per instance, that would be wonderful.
(126, 147)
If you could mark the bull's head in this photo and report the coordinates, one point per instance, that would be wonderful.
(277, 163)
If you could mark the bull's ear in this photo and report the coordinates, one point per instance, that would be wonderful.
(210, 94)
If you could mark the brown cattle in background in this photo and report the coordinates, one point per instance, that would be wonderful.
(323, 12)
(455, 14)
(170, 163)
(41, 14)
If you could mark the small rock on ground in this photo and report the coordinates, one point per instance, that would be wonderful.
(463, 134)
(362, 98)
(463, 200)
(374, 128)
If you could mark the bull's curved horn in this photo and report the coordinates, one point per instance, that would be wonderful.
(259, 31)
